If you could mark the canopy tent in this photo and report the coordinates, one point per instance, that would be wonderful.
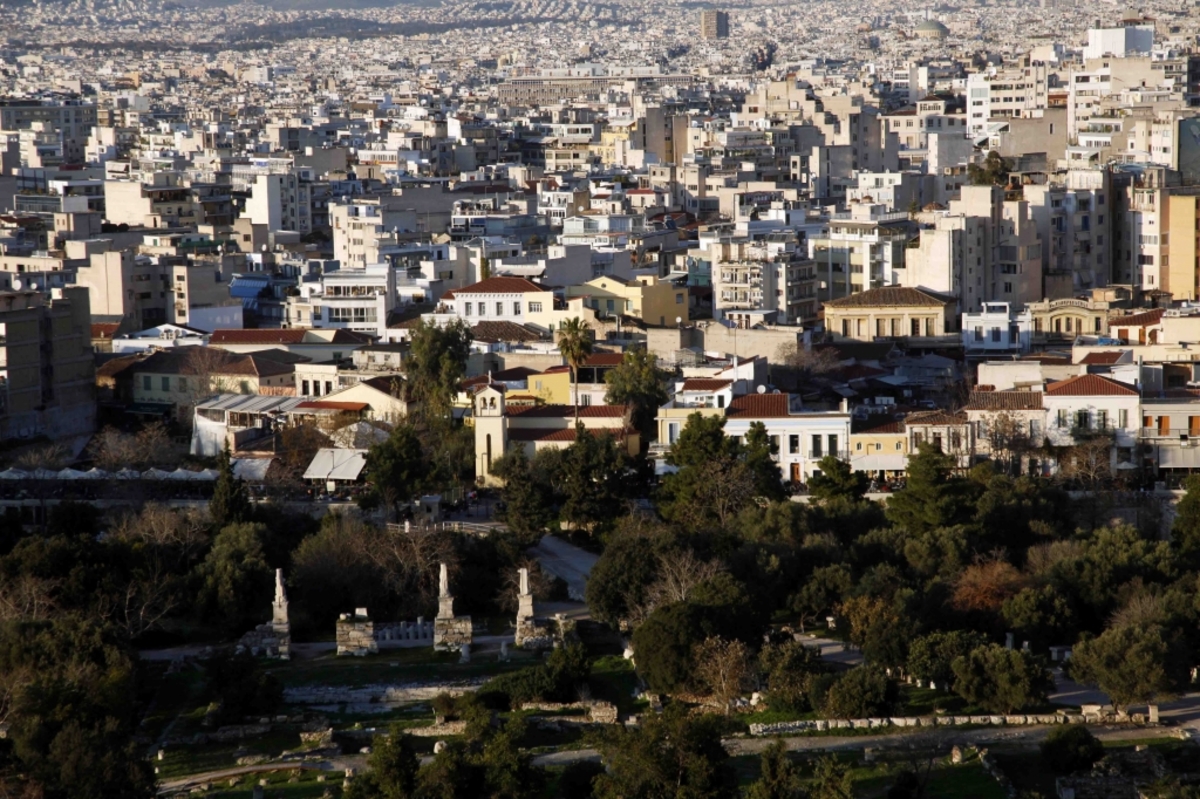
(359, 435)
(95, 474)
(336, 464)
(14, 474)
(128, 474)
(183, 474)
(70, 474)
(253, 470)
(208, 474)
(155, 474)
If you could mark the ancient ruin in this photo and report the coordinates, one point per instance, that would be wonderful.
(450, 633)
(356, 634)
(534, 632)
(274, 639)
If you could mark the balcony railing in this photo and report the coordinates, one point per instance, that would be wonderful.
(840, 454)
(1177, 433)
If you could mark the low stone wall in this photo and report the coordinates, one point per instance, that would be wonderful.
(443, 730)
(598, 712)
(376, 694)
(452, 634)
(355, 635)
(821, 725)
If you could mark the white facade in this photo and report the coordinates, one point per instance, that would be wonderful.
(997, 328)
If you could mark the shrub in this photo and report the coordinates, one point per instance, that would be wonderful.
(1070, 749)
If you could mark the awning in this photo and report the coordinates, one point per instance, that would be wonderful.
(251, 469)
(150, 408)
(336, 464)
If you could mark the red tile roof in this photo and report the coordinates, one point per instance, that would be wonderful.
(604, 359)
(554, 411)
(289, 336)
(889, 297)
(332, 405)
(875, 427)
(1102, 358)
(1004, 401)
(563, 434)
(1143, 319)
(1090, 386)
(502, 285)
(705, 384)
(760, 406)
(935, 418)
(104, 329)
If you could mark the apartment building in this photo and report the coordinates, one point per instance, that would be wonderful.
(47, 373)
(71, 119)
(356, 299)
(1011, 90)
(364, 228)
(763, 279)
(860, 250)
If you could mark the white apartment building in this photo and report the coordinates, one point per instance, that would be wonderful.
(364, 227)
(500, 299)
(860, 250)
(1007, 91)
(1074, 222)
(281, 202)
(357, 299)
(1091, 403)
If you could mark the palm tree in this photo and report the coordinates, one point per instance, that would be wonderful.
(575, 344)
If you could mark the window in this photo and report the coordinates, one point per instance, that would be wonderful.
(1081, 419)
(816, 447)
(145, 382)
(499, 309)
(166, 384)
(917, 439)
(794, 444)
(535, 307)
(679, 299)
(304, 388)
(183, 384)
(956, 441)
(1122, 418)
(937, 440)
(915, 326)
(1062, 417)
(516, 309)
(899, 446)
(996, 334)
(467, 308)
(858, 447)
(979, 332)
(833, 445)
(1101, 420)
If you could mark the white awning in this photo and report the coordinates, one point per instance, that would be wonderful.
(336, 464)
(251, 469)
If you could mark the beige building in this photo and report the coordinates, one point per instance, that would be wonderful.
(645, 297)
(1065, 319)
(47, 374)
(891, 312)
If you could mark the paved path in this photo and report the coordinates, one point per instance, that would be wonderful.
(186, 783)
(567, 562)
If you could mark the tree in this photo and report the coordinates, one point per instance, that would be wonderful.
(595, 476)
(1008, 440)
(821, 592)
(575, 344)
(1185, 530)
(393, 771)
(987, 586)
(235, 581)
(831, 780)
(1133, 664)
(638, 382)
(758, 454)
(435, 366)
(931, 657)
(665, 646)
(229, 503)
(396, 468)
(1072, 748)
(618, 582)
(1001, 680)
(780, 777)
(789, 668)
(992, 172)
(67, 690)
(1042, 615)
(527, 499)
(933, 497)
(717, 476)
(671, 755)
(837, 481)
(862, 692)
(722, 667)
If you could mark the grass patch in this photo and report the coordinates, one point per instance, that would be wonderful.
(767, 716)
(614, 680)
(306, 785)
(184, 761)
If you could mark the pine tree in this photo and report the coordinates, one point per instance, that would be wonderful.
(229, 503)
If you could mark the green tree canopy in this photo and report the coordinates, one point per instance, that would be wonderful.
(638, 382)
(1002, 680)
(837, 481)
(1072, 748)
(229, 503)
(671, 755)
(236, 583)
(1133, 664)
(932, 497)
(780, 777)
(436, 365)
(397, 468)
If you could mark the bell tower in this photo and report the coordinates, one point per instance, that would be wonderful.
(491, 431)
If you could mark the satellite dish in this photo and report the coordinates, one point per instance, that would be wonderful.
(16, 284)
(678, 320)
(761, 389)
(33, 285)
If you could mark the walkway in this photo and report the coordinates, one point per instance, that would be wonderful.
(567, 562)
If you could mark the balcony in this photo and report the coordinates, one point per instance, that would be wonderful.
(840, 454)
(1179, 434)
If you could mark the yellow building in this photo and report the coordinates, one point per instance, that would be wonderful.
(889, 312)
(1068, 318)
(1182, 276)
(178, 378)
(654, 302)
(879, 445)
(554, 386)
